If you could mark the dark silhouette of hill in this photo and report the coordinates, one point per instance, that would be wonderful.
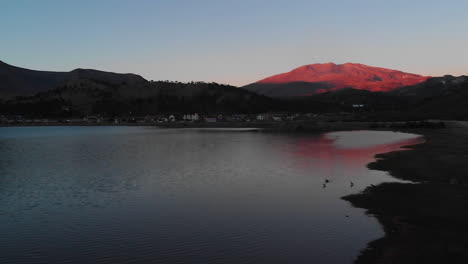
(85, 97)
(433, 87)
(441, 97)
(86, 91)
(83, 92)
(15, 81)
(292, 89)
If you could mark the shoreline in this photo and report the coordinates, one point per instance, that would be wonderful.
(284, 126)
(423, 222)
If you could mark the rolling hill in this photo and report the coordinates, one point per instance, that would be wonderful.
(319, 78)
(15, 81)
(329, 88)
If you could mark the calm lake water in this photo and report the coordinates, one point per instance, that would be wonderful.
(148, 195)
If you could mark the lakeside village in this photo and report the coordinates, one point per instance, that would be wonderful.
(160, 119)
(287, 121)
(173, 119)
(170, 119)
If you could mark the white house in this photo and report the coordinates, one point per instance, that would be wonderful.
(264, 117)
(191, 117)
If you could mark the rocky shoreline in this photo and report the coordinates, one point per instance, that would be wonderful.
(424, 222)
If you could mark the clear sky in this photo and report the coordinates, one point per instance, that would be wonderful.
(233, 41)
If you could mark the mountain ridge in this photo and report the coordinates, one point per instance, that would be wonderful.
(323, 77)
(86, 91)
(17, 81)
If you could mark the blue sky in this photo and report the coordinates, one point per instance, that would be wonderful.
(235, 42)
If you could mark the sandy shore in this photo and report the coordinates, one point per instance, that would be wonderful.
(425, 222)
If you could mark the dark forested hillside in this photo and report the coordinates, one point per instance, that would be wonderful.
(86, 91)
(442, 97)
(84, 97)
(91, 92)
(15, 81)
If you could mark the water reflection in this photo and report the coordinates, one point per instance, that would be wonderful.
(118, 194)
(350, 148)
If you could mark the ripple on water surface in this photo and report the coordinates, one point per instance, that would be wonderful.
(146, 195)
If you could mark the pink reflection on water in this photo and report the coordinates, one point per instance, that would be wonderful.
(344, 149)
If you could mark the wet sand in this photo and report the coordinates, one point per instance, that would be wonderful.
(425, 222)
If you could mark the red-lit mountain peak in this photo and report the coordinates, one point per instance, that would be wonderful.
(348, 75)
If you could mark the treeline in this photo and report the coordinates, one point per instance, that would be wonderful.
(86, 97)
(90, 97)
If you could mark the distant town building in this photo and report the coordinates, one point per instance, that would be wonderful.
(263, 117)
(191, 117)
(92, 119)
(162, 120)
(210, 119)
(150, 118)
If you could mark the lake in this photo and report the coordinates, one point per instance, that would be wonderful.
(149, 195)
